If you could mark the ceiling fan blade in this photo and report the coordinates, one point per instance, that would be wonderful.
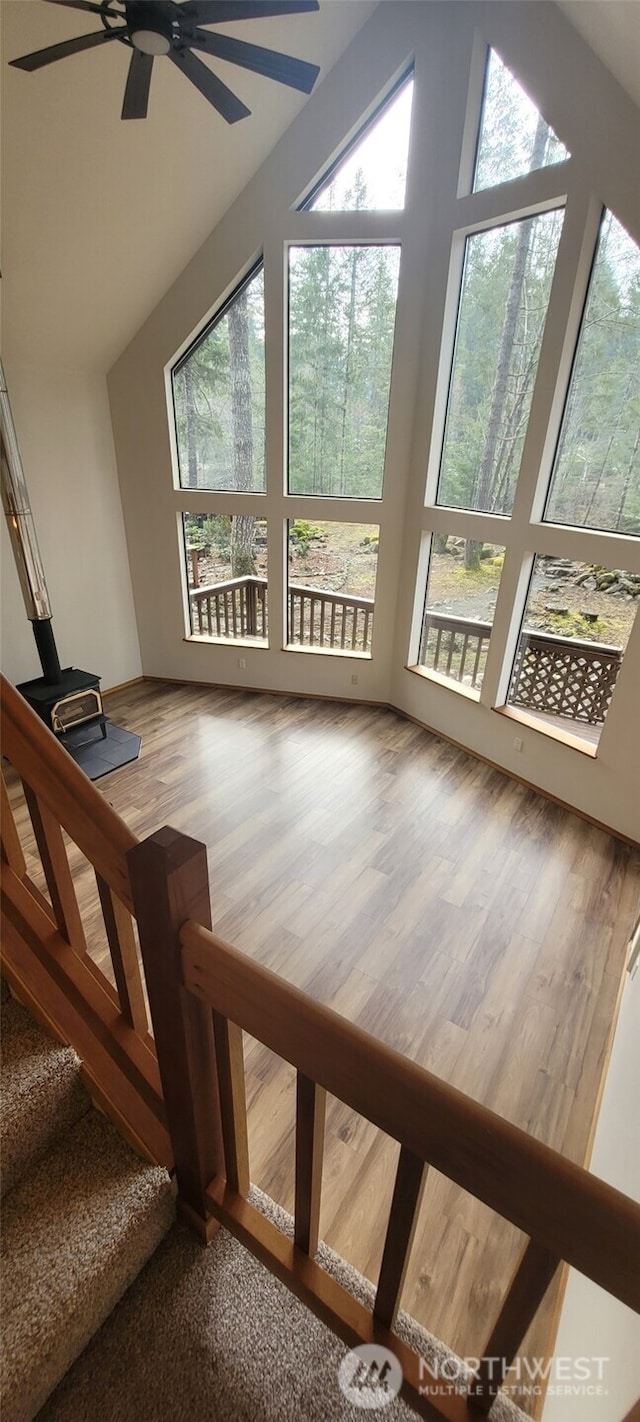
(60, 51)
(208, 83)
(281, 67)
(89, 6)
(136, 94)
(215, 12)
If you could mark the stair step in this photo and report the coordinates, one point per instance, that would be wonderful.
(75, 1235)
(41, 1094)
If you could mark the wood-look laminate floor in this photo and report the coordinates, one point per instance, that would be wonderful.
(470, 923)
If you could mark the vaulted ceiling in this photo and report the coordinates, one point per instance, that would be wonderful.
(100, 216)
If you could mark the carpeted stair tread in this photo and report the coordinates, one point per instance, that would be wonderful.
(208, 1335)
(76, 1232)
(41, 1094)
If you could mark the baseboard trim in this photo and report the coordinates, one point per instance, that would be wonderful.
(415, 720)
(123, 685)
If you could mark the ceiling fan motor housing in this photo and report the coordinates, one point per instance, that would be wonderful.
(151, 30)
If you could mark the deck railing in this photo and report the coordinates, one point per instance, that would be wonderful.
(455, 647)
(238, 608)
(558, 676)
(327, 619)
(564, 677)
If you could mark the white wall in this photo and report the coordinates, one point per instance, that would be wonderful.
(601, 126)
(592, 1324)
(64, 431)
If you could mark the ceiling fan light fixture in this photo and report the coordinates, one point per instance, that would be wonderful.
(150, 42)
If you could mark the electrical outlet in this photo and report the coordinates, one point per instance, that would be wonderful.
(242, 663)
(354, 679)
(518, 743)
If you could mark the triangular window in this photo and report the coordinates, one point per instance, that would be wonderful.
(219, 397)
(514, 137)
(371, 176)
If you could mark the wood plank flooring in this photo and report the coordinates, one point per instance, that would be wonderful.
(470, 923)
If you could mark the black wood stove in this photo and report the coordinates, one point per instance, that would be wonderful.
(68, 701)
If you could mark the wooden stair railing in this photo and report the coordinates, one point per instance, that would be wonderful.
(566, 1213)
(44, 950)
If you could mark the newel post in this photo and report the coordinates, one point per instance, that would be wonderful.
(170, 884)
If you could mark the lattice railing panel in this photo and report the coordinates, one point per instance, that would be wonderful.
(562, 678)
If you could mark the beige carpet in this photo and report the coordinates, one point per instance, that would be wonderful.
(207, 1335)
(82, 1215)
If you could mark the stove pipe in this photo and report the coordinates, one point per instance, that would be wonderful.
(15, 501)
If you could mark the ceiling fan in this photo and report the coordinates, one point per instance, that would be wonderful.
(165, 27)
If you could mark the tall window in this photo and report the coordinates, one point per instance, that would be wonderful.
(503, 306)
(596, 478)
(342, 304)
(219, 397)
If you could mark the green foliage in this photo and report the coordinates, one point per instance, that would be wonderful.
(302, 534)
(342, 315)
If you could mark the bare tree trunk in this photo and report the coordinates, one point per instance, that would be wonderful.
(603, 467)
(627, 479)
(347, 373)
(190, 411)
(242, 525)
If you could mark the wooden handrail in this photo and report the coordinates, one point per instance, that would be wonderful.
(202, 592)
(58, 783)
(571, 1213)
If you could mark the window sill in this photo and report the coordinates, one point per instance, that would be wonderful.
(448, 682)
(555, 733)
(327, 651)
(203, 641)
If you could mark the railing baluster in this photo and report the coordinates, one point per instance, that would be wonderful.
(436, 655)
(234, 611)
(354, 632)
(11, 847)
(528, 1287)
(407, 1198)
(452, 638)
(365, 635)
(323, 607)
(343, 608)
(332, 633)
(463, 656)
(124, 957)
(302, 616)
(233, 1102)
(310, 1119)
(312, 614)
(476, 664)
(53, 853)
